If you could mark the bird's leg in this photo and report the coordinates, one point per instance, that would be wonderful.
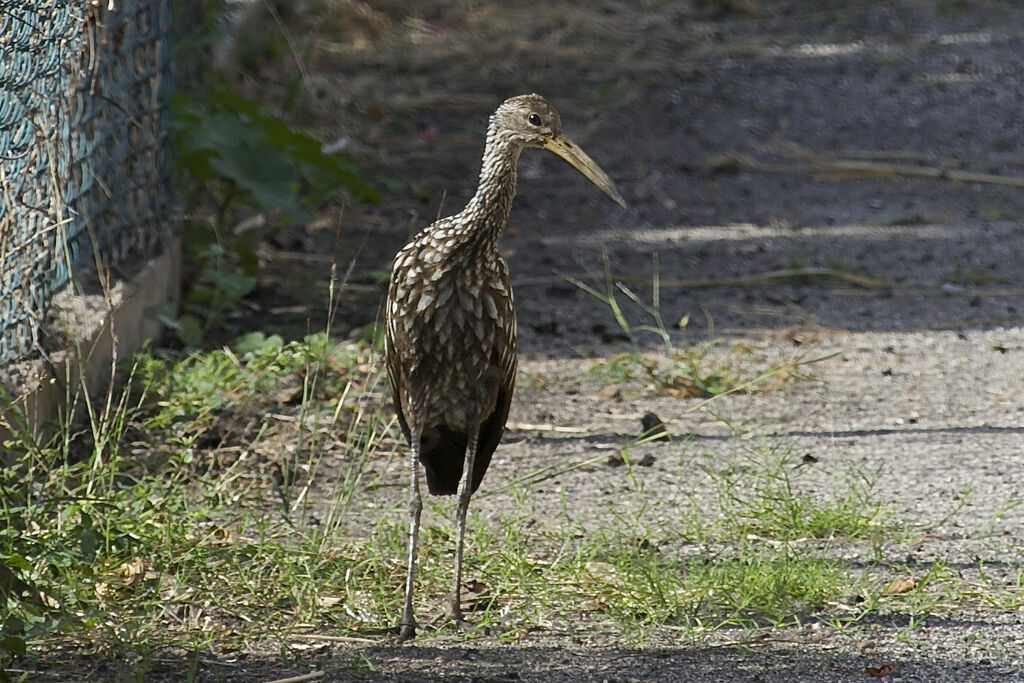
(407, 626)
(465, 492)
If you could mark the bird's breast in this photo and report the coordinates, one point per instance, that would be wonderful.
(455, 336)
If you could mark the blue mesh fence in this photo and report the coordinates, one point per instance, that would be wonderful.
(84, 167)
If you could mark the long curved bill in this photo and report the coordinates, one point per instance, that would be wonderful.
(568, 150)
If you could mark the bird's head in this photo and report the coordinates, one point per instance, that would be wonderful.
(528, 119)
(532, 122)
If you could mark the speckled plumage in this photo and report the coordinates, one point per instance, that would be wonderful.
(450, 344)
(451, 325)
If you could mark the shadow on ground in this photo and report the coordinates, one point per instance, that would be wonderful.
(676, 102)
(778, 662)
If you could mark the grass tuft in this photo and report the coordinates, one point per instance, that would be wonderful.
(244, 495)
(760, 494)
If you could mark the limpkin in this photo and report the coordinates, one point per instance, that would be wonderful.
(451, 327)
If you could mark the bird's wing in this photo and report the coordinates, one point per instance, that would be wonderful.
(396, 398)
(505, 359)
(394, 339)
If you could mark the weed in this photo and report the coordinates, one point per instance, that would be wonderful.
(691, 371)
(609, 298)
(618, 369)
(229, 153)
(759, 497)
(142, 548)
(145, 525)
(701, 371)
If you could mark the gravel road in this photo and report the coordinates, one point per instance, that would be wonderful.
(723, 155)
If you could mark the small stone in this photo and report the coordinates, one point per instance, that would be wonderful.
(654, 428)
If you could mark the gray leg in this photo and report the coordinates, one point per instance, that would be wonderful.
(465, 491)
(407, 626)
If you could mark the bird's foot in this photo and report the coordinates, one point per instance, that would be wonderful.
(455, 611)
(406, 632)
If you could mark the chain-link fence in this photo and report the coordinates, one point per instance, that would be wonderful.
(84, 171)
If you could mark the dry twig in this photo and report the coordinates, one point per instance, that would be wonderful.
(814, 163)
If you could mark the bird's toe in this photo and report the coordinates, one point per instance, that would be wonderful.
(455, 611)
(406, 632)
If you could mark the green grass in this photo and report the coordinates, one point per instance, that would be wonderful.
(683, 373)
(165, 500)
(704, 370)
(236, 496)
(526, 580)
(741, 560)
(681, 370)
(759, 494)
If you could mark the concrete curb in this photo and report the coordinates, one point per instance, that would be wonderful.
(91, 331)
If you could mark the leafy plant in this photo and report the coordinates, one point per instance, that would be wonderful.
(231, 153)
(105, 524)
(610, 299)
(760, 496)
(680, 371)
(257, 157)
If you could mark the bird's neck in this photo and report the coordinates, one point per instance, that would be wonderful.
(488, 210)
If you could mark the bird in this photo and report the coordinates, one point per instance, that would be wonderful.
(450, 328)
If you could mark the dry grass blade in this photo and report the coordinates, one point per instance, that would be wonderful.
(299, 679)
(558, 429)
(323, 637)
(784, 274)
(750, 280)
(543, 474)
(813, 163)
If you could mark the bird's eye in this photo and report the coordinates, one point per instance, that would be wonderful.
(533, 119)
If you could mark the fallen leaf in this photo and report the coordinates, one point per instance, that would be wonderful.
(132, 572)
(807, 459)
(882, 670)
(680, 387)
(683, 392)
(477, 597)
(221, 535)
(903, 585)
(326, 600)
(289, 394)
(797, 338)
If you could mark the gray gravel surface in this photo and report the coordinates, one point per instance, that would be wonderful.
(924, 390)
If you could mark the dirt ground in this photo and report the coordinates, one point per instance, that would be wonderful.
(733, 129)
(671, 99)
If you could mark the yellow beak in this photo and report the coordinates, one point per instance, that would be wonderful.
(567, 149)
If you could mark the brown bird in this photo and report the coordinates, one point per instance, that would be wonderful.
(451, 327)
